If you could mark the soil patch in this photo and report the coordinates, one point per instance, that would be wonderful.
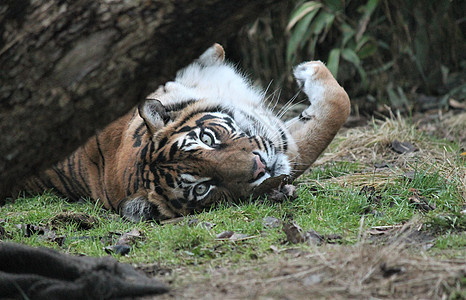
(337, 272)
(392, 265)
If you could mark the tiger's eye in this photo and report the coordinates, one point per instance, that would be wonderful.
(201, 189)
(207, 138)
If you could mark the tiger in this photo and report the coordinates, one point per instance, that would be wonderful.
(204, 138)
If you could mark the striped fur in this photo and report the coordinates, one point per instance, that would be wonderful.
(203, 138)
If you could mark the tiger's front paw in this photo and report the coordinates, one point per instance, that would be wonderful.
(308, 73)
(314, 78)
(318, 83)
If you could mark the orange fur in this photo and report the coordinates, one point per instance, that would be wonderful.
(180, 155)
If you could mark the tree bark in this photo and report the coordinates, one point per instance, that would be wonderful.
(68, 68)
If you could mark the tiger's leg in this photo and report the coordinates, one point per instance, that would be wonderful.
(317, 125)
(145, 206)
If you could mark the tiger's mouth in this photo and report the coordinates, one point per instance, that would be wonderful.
(269, 166)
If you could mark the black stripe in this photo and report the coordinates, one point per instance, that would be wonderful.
(45, 183)
(74, 176)
(169, 180)
(160, 158)
(211, 109)
(65, 184)
(102, 176)
(254, 138)
(162, 143)
(179, 106)
(176, 203)
(173, 149)
(137, 135)
(284, 139)
(205, 118)
(216, 128)
(143, 155)
(81, 175)
(184, 129)
(128, 186)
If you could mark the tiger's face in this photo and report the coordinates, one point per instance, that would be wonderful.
(203, 158)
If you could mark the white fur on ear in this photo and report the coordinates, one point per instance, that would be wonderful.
(154, 114)
(215, 55)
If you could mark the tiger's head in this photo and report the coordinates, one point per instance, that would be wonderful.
(198, 156)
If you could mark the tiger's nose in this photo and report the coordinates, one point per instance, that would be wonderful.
(259, 167)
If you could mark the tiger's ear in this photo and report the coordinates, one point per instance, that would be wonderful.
(215, 55)
(154, 115)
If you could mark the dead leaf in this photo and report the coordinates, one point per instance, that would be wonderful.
(274, 249)
(172, 221)
(333, 238)
(381, 165)
(129, 237)
(312, 237)
(381, 230)
(43, 232)
(83, 221)
(271, 222)
(195, 222)
(294, 233)
(456, 104)
(421, 203)
(409, 175)
(225, 235)
(30, 229)
(118, 249)
(239, 237)
(402, 147)
(233, 236)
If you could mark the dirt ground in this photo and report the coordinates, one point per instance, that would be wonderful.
(368, 270)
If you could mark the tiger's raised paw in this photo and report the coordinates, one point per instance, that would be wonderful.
(308, 73)
(319, 85)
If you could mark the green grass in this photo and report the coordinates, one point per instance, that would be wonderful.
(328, 208)
(332, 199)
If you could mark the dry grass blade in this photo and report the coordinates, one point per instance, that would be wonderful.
(371, 145)
(362, 271)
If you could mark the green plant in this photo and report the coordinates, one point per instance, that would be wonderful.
(311, 22)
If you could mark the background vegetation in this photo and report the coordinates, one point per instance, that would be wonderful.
(377, 220)
(408, 54)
